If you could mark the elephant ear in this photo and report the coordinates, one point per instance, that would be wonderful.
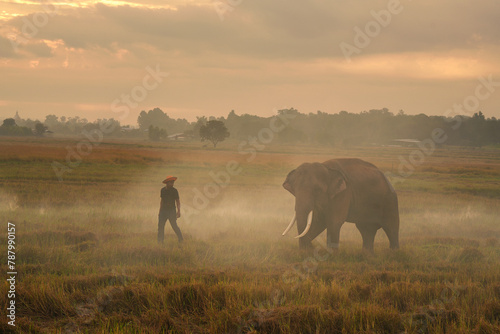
(337, 184)
(288, 184)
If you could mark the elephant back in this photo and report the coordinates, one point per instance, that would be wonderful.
(360, 175)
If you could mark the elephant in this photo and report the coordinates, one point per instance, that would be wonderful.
(342, 190)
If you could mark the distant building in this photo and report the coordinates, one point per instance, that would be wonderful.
(177, 137)
(127, 128)
(17, 117)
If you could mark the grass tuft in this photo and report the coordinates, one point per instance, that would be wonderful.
(492, 311)
(470, 255)
(360, 292)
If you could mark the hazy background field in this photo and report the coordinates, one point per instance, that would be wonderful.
(88, 260)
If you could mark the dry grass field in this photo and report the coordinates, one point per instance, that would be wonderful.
(87, 259)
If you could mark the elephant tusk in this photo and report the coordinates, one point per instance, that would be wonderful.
(308, 226)
(294, 219)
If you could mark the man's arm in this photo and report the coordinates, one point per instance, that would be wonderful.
(178, 202)
(161, 200)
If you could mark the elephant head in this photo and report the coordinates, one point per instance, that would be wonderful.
(315, 187)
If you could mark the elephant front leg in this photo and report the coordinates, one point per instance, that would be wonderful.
(368, 232)
(333, 236)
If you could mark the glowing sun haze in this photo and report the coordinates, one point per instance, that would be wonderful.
(93, 58)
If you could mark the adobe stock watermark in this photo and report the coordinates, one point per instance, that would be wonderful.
(372, 29)
(430, 314)
(120, 106)
(11, 273)
(483, 91)
(224, 7)
(31, 26)
(221, 179)
(292, 277)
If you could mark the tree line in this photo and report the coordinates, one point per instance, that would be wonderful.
(343, 129)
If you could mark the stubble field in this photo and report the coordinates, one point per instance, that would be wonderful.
(88, 262)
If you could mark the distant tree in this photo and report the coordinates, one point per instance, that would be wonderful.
(153, 117)
(40, 129)
(214, 131)
(478, 133)
(290, 111)
(200, 121)
(157, 117)
(10, 128)
(156, 134)
(52, 122)
(292, 135)
(9, 122)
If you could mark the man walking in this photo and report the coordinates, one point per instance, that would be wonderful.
(169, 200)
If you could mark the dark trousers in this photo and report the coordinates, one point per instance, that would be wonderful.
(171, 215)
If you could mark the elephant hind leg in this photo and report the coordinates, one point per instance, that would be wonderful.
(391, 223)
(393, 236)
(368, 232)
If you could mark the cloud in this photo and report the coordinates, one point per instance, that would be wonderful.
(418, 66)
(39, 49)
(276, 29)
(283, 51)
(6, 48)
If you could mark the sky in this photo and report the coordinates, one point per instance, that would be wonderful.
(113, 59)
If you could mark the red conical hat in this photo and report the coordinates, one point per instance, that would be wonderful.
(169, 178)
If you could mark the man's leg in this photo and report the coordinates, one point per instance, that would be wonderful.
(173, 222)
(162, 219)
